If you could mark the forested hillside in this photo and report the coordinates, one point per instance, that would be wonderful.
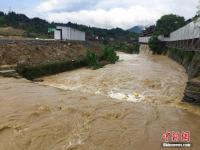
(36, 26)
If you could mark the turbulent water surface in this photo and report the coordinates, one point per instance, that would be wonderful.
(122, 106)
(135, 78)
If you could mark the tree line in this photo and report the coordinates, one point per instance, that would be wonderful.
(40, 26)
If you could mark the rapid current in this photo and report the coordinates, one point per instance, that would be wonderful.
(122, 106)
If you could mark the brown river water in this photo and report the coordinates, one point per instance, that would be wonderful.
(122, 106)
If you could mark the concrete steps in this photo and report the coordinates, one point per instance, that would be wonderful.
(9, 71)
(7, 67)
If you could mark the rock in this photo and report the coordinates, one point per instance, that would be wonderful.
(69, 44)
(38, 80)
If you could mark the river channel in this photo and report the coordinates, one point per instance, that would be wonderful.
(122, 106)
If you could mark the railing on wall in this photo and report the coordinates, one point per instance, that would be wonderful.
(187, 45)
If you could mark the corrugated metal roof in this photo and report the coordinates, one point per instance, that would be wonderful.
(189, 31)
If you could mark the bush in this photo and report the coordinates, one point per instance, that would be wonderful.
(31, 72)
(156, 46)
(110, 55)
(91, 59)
(134, 48)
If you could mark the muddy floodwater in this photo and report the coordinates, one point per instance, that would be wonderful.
(122, 106)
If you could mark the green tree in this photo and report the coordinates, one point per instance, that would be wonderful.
(91, 59)
(1, 13)
(2, 21)
(110, 55)
(196, 18)
(168, 23)
(11, 19)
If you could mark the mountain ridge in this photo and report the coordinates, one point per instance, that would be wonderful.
(137, 29)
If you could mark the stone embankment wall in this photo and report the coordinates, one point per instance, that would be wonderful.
(191, 61)
(34, 52)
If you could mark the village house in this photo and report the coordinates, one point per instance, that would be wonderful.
(68, 33)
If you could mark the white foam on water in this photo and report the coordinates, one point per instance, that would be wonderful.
(61, 86)
(126, 97)
(73, 143)
(134, 97)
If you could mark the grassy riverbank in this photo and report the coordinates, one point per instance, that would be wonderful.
(91, 59)
(31, 72)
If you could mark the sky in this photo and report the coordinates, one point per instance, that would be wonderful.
(102, 13)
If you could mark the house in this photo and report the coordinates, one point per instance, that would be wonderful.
(68, 33)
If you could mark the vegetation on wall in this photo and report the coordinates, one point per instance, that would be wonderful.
(189, 59)
(157, 46)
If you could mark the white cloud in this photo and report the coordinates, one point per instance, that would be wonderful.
(114, 13)
(116, 17)
(56, 5)
(49, 5)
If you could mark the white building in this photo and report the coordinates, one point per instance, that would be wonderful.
(144, 40)
(68, 33)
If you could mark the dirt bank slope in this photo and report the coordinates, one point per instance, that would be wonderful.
(35, 52)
